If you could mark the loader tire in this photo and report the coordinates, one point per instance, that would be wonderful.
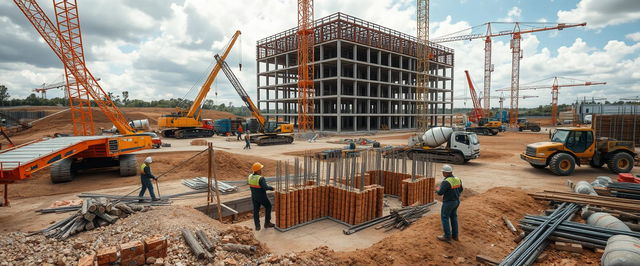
(61, 171)
(562, 164)
(128, 165)
(620, 162)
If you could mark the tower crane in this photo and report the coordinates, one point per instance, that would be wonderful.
(555, 92)
(516, 34)
(84, 150)
(187, 123)
(57, 85)
(422, 66)
(306, 90)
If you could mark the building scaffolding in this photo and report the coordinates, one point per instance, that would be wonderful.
(364, 77)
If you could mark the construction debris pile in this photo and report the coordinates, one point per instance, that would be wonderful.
(92, 214)
(347, 189)
(152, 250)
(398, 219)
(204, 247)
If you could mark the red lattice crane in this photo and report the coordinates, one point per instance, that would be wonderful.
(306, 40)
(66, 42)
(476, 113)
(516, 35)
(555, 92)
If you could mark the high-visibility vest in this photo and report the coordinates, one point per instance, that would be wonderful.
(142, 168)
(454, 182)
(254, 181)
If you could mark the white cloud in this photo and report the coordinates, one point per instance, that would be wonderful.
(634, 36)
(513, 14)
(599, 14)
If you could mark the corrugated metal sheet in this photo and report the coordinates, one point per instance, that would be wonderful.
(12, 158)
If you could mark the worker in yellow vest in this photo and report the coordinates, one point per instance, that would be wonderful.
(259, 188)
(145, 179)
(450, 190)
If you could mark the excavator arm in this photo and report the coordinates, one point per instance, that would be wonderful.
(241, 91)
(206, 87)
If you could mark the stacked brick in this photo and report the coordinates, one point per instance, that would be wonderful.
(130, 254)
(420, 191)
(305, 204)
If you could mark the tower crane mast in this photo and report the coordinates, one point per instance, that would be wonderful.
(516, 37)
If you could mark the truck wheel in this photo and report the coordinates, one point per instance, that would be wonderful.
(537, 166)
(520, 129)
(61, 171)
(128, 165)
(536, 129)
(562, 164)
(458, 158)
(620, 162)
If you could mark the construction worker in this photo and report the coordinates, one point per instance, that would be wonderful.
(239, 132)
(145, 179)
(450, 190)
(259, 188)
(247, 140)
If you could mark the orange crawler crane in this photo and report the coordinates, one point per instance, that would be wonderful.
(84, 150)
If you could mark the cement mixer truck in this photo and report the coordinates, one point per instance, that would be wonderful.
(444, 145)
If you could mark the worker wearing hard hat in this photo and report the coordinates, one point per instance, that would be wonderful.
(450, 190)
(259, 188)
(145, 179)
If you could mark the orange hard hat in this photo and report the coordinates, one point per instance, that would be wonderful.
(256, 166)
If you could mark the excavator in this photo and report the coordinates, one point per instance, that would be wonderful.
(271, 132)
(187, 123)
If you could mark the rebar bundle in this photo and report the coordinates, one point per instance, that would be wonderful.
(535, 242)
(201, 183)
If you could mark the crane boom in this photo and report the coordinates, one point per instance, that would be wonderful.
(558, 26)
(477, 112)
(241, 91)
(206, 87)
(73, 63)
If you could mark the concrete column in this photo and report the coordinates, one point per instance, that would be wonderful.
(339, 90)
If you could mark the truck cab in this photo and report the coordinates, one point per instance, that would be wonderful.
(467, 143)
(569, 147)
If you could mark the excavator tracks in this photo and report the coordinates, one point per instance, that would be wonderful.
(264, 140)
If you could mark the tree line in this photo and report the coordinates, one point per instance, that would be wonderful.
(120, 101)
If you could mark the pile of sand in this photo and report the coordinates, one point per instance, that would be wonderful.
(228, 166)
(482, 232)
(62, 123)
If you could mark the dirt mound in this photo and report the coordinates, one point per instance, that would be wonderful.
(229, 166)
(62, 122)
(481, 232)
(20, 249)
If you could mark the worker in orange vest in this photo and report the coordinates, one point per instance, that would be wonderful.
(239, 132)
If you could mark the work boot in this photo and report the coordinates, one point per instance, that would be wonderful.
(140, 201)
(444, 238)
(156, 199)
(258, 228)
(269, 225)
(455, 238)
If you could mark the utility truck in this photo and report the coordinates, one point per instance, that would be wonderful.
(579, 145)
(444, 145)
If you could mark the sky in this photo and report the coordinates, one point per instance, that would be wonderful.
(160, 49)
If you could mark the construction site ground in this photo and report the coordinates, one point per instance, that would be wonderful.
(496, 185)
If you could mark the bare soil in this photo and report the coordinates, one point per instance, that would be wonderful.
(61, 123)
(229, 166)
(482, 231)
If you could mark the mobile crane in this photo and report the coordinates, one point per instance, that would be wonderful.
(187, 123)
(84, 150)
(271, 132)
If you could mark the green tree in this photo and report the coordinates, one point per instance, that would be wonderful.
(4, 94)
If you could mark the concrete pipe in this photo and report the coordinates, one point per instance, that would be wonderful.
(621, 250)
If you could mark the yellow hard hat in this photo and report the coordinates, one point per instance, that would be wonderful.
(256, 166)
